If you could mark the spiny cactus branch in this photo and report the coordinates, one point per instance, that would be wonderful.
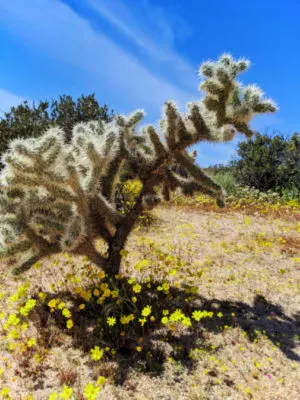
(60, 197)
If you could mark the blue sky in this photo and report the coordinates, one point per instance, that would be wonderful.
(139, 53)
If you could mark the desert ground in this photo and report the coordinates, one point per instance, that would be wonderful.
(242, 267)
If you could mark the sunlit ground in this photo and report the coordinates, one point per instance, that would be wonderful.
(207, 306)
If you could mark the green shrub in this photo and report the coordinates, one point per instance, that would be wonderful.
(269, 163)
(226, 179)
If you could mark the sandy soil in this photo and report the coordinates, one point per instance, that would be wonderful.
(246, 267)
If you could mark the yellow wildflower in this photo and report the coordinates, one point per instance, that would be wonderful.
(66, 393)
(31, 342)
(101, 381)
(137, 288)
(5, 391)
(52, 303)
(91, 391)
(146, 311)
(42, 295)
(111, 321)
(97, 353)
(70, 324)
(61, 305)
(53, 396)
(177, 315)
(66, 313)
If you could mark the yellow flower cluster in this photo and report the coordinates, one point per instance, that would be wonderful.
(126, 319)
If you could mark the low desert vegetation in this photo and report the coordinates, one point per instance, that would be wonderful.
(124, 278)
(268, 166)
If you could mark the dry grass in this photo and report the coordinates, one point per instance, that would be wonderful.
(244, 267)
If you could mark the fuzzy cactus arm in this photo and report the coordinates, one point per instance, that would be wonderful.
(102, 158)
(81, 200)
(40, 243)
(24, 180)
(36, 173)
(188, 129)
(202, 132)
(116, 166)
(42, 225)
(54, 228)
(171, 115)
(191, 186)
(227, 102)
(15, 248)
(243, 128)
(105, 209)
(157, 144)
(161, 156)
(98, 164)
(111, 178)
(196, 172)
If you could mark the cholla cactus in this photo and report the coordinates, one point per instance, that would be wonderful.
(59, 197)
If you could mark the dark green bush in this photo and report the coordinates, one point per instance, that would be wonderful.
(269, 163)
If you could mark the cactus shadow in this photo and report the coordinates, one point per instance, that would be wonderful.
(159, 344)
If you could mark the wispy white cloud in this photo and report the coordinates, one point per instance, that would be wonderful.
(8, 100)
(153, 31)
(56, 30)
